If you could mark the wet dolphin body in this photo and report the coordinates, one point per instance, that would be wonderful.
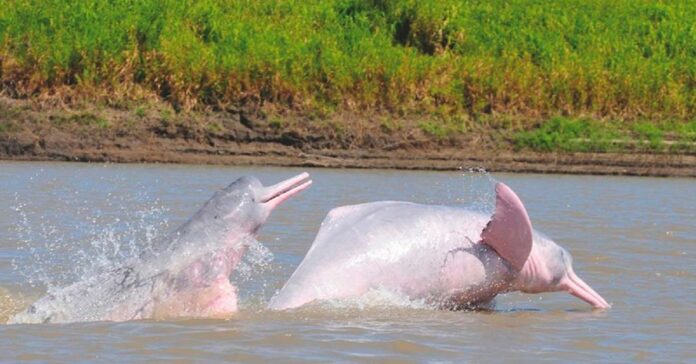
(450, 257)
(185, 275)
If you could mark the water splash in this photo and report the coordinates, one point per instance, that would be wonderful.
(377, 298)
(257, 260)
(477, 190)
(78, 249)
(252, 274)
(76, 240)
(11, 303)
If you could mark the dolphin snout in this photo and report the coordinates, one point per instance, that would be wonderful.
(274, 195)
(578, 288)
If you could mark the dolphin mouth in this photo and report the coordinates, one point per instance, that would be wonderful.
(278, 193)
(578, 288)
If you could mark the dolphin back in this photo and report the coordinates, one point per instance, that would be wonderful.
(381, 244)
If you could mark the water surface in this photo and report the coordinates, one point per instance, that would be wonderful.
(633, 240)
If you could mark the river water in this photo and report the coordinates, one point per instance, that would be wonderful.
(633, 240)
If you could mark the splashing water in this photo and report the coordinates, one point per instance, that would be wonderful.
(85, 255)
(85, 241)
(477, 190)
(11, 303)
(55, 254)
(252, 274)
(381, 297)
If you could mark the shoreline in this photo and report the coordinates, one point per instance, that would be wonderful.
(418, 159)
(34, 132)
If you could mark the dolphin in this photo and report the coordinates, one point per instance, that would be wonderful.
(184, 275)
(449, 257)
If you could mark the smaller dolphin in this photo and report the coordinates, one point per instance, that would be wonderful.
(450, 257)
(185, 275)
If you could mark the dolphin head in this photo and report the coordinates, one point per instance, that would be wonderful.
(540, 265)
(549, 268)
(245, 204)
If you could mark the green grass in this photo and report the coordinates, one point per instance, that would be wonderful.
(442, 129)
(610, 59)
(214, 127)
(140, 112)
(88, 119)
(649, 133)
(275, 122)
(570, 135)
(587, 135)
(82, 119)
(686, 131)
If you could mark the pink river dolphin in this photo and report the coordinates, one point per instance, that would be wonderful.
(184, 275)
(449, 257)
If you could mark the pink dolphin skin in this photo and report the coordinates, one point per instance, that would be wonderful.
(184, 275)
(450, 257)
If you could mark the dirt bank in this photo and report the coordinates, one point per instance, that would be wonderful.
(29, 131)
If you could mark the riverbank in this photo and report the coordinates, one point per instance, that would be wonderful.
(155, 134)
(536, 86)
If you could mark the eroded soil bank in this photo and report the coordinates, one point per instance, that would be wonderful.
(29, 131)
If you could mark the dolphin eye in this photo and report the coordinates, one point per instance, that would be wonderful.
(567, 258)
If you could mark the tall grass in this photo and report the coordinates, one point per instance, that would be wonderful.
(622, 59)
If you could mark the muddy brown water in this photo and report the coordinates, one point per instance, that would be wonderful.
(633, 240)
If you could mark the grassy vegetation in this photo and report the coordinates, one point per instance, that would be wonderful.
(445, 60)
(587, 135)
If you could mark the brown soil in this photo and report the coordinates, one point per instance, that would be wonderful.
(156, 134)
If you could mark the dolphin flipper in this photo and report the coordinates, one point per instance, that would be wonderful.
(509, 232)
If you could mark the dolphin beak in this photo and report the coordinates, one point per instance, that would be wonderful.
(273, 196)
(578, 288)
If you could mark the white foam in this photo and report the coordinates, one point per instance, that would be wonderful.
(377, 298)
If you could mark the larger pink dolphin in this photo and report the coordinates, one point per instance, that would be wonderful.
(450, 257)
(185, 275)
